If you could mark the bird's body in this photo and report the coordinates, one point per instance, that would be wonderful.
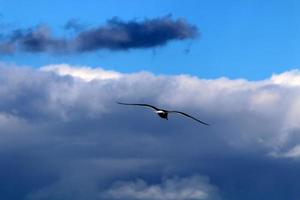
(163, 113)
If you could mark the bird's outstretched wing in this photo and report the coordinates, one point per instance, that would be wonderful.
(189, 116)
(138, 104)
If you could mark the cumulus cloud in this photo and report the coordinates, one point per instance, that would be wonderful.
(62, 125)
(116, 34)
(189, 188)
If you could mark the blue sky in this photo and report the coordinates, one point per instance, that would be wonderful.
(239, 39)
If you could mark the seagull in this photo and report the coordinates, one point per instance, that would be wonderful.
(161, 112)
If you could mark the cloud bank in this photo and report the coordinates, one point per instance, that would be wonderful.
(62, 136)
(115, 35)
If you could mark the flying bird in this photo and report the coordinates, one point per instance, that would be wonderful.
(163, 113)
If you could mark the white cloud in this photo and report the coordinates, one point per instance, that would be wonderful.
(189, 188)
(274, 100)
(292, 153)
(82, 72)
(290, 78)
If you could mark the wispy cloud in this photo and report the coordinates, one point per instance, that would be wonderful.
(74, 24)
(294, 152)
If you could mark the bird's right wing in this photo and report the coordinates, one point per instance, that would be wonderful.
(182, 113)
(138, 104)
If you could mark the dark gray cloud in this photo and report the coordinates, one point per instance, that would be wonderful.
(120, 35)
(65, 138)
(33, 40)
(40, 40)
(116, 34)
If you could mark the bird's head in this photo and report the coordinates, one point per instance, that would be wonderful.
(159, 111)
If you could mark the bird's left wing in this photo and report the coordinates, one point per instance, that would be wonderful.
(138, 104)
(182, 113)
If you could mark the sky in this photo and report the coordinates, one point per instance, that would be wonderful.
(234, 65)
(249, 39)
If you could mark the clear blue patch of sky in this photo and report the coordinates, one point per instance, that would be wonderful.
(248, 39)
